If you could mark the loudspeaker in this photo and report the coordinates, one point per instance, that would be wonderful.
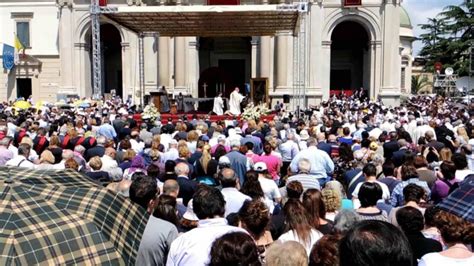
(286, 98)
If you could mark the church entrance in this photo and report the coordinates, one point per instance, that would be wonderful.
(350, 58)
(111, 59)
(225, 64)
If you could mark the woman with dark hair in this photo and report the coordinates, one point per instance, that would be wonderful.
(446, 182)
(219, 152)
(273, 162)
(344, 162)
(251, 186)
(300, 227)
(456, 233)
(430, 230)
(314, 205)
(369, 194)
(255, 218)
(166, 209)
(234, 249)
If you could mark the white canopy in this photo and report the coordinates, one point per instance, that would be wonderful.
(209, 21)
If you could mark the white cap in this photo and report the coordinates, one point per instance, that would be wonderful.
(260, 167)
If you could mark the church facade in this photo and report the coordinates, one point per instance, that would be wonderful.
(346, 47)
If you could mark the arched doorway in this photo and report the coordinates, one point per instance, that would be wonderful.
(111, 47)
(225, 64)
(350, 57)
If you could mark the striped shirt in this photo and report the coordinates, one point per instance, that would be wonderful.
(308, 181)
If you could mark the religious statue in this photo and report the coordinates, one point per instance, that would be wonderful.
(234, 102)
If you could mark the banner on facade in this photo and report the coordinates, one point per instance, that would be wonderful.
(8, 56)
(352, 2)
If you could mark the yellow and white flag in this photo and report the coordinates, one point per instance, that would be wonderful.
(18, 47)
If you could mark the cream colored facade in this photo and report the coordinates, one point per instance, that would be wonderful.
(177, 62)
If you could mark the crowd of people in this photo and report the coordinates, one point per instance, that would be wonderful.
(346, 182)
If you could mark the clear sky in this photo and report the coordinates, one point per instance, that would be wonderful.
(421, 10)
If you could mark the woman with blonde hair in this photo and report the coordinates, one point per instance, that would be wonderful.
(55, 148)
(46, 160)
(332, 202)
(206, 167)
(192, 138)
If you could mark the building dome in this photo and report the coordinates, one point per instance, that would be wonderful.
(405, 21)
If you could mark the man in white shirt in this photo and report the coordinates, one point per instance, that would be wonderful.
(270, 189)
(21, 160)
(370, 174)
(234, 199)
(109, 164)
(172, 153)
(193, 247)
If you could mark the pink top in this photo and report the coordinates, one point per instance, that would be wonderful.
(273, 164)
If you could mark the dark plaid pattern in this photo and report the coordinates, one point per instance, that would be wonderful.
(52, 217)
(461, 201)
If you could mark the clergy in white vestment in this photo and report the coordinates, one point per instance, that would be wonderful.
(218, 105)
(234, 102)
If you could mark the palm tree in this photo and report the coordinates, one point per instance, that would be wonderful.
(419, 82)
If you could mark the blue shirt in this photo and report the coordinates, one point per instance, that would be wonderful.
(321, 163)
(397, 194)
(288, 150)
(107, 130)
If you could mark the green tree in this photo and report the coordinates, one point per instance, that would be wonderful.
(448, 37)
(418, 82)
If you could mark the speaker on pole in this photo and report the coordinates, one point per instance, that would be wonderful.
(286, 98)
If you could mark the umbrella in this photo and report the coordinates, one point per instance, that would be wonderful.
(459, 202)
(22, 104)
(53, 217)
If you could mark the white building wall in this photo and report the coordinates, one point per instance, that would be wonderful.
(42, 65)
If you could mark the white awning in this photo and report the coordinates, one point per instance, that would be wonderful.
(209, 21)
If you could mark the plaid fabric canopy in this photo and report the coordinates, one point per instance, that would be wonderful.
(461, 201)
(52, 217)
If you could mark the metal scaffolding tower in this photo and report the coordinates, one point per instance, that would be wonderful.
(300, 65)
(95, 11)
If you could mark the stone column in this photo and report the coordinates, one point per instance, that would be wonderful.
(254, 59)
(326, 68)
(193, 66)
(127, 70)
(150, 47)
(180, 63)
(281, 64)
(80, 69)
(66, 50)
(163, 59)
(264, 57)
(391, 41)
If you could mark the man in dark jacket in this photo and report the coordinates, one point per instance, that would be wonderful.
(390, 147)
(410, 220)
(187, 187)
